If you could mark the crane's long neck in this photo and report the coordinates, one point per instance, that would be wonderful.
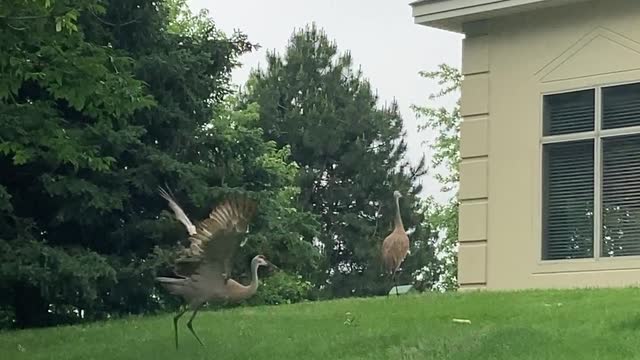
(398, 219)
(253, 286)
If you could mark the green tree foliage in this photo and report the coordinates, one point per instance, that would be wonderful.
(351, 153)
(446, 160)
(280, 231)
(101, 102)
(63, 99)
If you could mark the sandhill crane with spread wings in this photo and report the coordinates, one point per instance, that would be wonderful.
(204, 268)
(395, 246)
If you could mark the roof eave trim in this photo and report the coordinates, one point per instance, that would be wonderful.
(450, 14)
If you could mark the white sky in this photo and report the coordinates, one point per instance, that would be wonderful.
(380, 34)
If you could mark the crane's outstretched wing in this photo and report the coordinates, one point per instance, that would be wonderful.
(217, 238)
(180, 215)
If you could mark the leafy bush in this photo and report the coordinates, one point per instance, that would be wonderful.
(282, 288)
(7, 316)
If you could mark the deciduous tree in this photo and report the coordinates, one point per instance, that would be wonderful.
(101, 102)
(445, 123)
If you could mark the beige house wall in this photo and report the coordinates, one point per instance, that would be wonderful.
(508, 63)
(474, 165)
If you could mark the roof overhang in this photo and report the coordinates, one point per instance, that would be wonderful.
(452, 14)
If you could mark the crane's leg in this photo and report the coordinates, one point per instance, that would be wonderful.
(190, 326)
(395, 281)
(227, 270)
(175, 323)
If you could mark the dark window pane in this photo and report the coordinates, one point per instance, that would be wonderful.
(569, 113)
(621, 106)
(568, 200)
(621, 196)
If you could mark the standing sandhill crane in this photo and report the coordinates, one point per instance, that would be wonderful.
(395, 246)
(204, 268)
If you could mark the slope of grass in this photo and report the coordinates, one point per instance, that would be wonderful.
(576, 324)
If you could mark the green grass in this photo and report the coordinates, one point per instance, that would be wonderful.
(576, 324)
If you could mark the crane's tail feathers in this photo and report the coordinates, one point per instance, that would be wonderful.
(173, 285)
(186, 265)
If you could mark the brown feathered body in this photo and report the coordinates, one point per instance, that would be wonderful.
(394, 249)
(395, 246)
(200, 287)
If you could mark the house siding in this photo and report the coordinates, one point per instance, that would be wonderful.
(474, 164)
(508, 63)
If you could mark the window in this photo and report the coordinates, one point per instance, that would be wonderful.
(591, 173)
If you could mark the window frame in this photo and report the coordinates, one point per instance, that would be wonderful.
(597, 135)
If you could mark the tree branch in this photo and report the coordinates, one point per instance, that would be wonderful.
(31, 17)
(112, 24)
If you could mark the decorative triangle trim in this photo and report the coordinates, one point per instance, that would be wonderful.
(545, 74)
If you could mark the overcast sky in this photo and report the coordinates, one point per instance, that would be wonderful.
(380, 34)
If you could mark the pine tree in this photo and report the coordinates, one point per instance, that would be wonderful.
(351, 152)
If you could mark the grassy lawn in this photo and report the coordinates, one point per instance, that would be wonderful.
(577, 324)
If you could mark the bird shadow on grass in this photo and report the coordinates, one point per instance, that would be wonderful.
(631, 323)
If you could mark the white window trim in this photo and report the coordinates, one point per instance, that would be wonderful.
(597, 135)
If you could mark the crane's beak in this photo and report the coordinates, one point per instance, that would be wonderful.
(271, 265)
